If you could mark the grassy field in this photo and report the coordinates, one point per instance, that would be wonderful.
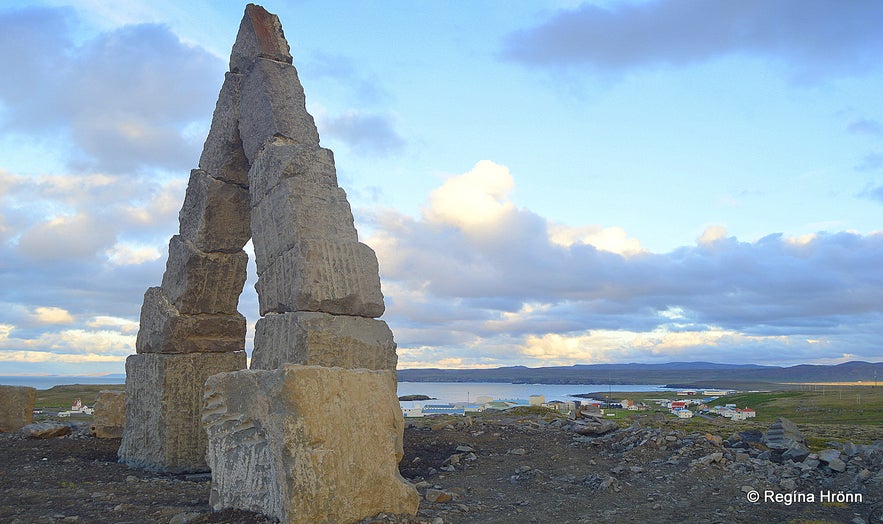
(832, 405)
(861, 405)
(60, 398)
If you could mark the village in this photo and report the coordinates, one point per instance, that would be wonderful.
(702, 403)
(686, 408)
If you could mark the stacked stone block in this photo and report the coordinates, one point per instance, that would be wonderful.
(309, 434)
(190, 326)
(308, 256)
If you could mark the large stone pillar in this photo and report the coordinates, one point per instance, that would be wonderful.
(291, 436)
(190, 327)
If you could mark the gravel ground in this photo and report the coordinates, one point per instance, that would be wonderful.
(508, 467)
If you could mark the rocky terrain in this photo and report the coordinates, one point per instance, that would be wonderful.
(514, 466)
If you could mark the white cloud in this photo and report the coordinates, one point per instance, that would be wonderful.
(711, 235)
(5, 330)
(77, 236)
(123, 325)
(52, 315)
(474, 200)
(123, 254)
(34, 357)
(76, 341)
(612, 239)
(478, 279)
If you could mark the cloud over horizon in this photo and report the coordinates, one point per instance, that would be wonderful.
(475, 265)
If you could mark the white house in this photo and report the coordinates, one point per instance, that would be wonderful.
(411, 409)
(683, 413)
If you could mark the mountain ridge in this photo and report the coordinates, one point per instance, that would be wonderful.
(695, 373)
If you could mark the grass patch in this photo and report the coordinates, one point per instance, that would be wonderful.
(61, 398)
(854, 405)
(832, 405)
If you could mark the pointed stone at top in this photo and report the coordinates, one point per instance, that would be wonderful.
(260, 36)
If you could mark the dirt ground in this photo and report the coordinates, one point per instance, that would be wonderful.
(501, 468)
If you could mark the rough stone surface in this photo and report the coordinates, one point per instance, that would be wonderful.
(295, 196)
(109, 416)
(837, 465)
(340, 278)
(827, 455)
(796, 452)
(196, 282)
(307, 444)
(323, 340)
(782, 434)
(260, 36)
(16, 407)
(593, 426)
(216, 215)
(165, 330)
(164, 393)
(282, 159)
(222, 155)
(272, 103)
(42, 430)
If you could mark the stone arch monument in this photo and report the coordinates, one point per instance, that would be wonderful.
(263, 176)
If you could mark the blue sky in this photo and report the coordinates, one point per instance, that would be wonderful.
(544, 183)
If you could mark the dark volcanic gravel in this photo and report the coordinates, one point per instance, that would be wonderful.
(507, 467)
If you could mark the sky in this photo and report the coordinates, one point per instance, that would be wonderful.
(545, 183)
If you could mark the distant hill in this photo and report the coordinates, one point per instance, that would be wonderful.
(707, 374)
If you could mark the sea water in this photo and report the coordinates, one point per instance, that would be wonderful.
(442, 391)
(469, 391)
(47, 381)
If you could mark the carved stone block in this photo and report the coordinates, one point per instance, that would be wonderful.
(320, 339)
(307, 444)
(164, 406)
(216, 215)
(341, 278)
(196, 282)
(272, 103)
(165, 330)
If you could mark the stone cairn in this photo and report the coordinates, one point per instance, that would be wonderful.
(313, 433)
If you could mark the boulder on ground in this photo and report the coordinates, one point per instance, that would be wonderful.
(827, 455)
(16, 407)
(307, 443)
(593, 426)
(109, 415)
(796, 452)
(46, 430)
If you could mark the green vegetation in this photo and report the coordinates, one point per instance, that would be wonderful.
(854, 405)
(60, 398)
(829, 405)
